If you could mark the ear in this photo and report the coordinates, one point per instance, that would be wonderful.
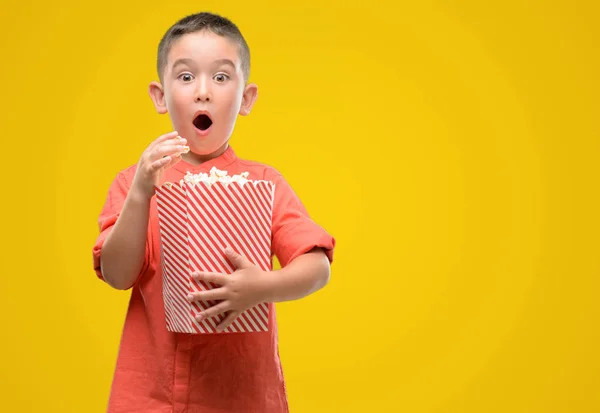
(248, 98)
(157, 94)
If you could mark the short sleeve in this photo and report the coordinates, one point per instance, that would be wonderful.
(115, 199)
(294, 232)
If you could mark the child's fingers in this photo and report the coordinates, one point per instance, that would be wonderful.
(167, 150)
(162, 138)
(165, 161)
(174, 160)
(222, 307)
(178, 140)
(160, 163)
(227, 321)
(212, 277)
(216, 294)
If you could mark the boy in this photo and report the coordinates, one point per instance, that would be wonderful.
(203, 67)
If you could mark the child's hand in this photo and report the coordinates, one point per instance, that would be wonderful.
(161, 154)
(239, 291)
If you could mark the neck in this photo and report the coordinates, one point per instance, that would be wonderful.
(196, 159)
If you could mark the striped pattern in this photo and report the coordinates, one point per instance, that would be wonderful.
(197, 222)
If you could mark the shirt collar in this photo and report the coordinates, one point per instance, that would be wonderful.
(220, 162)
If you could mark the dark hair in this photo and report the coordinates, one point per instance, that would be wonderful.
(196, 23)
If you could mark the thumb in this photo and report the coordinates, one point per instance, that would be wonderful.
(238, 261)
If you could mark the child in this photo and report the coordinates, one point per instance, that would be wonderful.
(203, 66)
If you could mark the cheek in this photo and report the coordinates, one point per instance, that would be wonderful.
(176, 106)
(234, 102)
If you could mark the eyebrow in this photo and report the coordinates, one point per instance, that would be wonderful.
(228, 62)
(190, 62)
(183, 61)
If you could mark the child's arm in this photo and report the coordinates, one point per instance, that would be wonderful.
(303, 276)
(122, 255)
(249, 285)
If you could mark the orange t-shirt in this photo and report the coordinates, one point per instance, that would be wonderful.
(160, 371)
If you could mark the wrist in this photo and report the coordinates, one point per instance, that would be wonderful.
(140, 196)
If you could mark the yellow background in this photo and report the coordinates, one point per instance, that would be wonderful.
(450, 146)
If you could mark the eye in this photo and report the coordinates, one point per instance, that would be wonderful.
(186, 77)
(221, 77)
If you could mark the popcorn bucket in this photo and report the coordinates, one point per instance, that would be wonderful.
(198, 218)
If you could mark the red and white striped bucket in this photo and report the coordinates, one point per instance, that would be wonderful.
(197, 222)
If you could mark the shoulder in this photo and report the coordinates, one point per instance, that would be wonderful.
(126, 175)
(285, 195)
(260, 170)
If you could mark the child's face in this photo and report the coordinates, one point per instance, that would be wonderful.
(203, 90)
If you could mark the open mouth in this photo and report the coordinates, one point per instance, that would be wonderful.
(202, 121)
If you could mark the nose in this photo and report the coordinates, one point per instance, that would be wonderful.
(203, 93)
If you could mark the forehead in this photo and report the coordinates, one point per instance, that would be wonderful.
(203, 46)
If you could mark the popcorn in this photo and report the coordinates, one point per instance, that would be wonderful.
(215, 175)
